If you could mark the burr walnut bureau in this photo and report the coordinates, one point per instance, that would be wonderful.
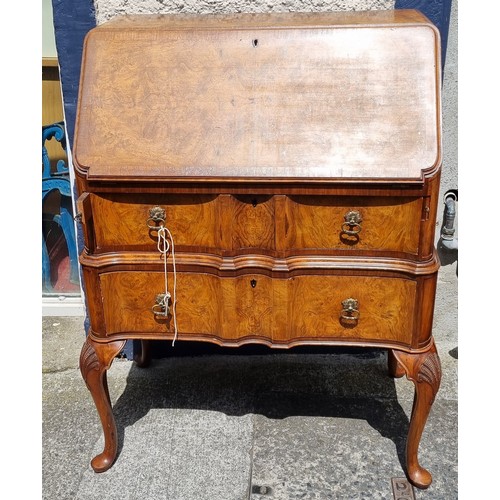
(265, 179)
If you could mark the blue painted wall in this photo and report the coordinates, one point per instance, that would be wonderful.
(438, 11)
(72, 20)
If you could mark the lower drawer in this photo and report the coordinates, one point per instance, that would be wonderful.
(257, 308)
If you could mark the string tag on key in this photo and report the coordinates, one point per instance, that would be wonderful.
(165, 246)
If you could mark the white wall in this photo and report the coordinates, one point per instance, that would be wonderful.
(106, 9)
(48, 38)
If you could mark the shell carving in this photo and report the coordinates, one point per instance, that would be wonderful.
(430, 371)
(88, 360)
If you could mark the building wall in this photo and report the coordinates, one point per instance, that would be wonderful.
(446, 310)
(106, 9)
(48, 38)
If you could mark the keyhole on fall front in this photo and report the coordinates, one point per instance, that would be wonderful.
(255, 42)
(253, 283)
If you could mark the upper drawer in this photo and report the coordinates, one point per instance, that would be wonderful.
(350, 223)
(273, 225)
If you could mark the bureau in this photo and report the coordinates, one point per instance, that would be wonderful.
(261, 178)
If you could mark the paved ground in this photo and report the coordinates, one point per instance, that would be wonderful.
(213, 424)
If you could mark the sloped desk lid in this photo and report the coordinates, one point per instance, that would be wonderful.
(268, 96)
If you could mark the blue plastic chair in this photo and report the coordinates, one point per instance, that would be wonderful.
(57, 181)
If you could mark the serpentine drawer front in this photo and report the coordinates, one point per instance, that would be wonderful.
(263, 179)
(256, 307)
(231, 224)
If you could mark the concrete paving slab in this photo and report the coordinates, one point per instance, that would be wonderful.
(307, 424)
(70, 428)
(344, 437)
(68, 435)
(62, 340)
(174, 454)
(324, 457)
(352, 454)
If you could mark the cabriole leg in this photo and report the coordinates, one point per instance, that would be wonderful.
(95, 360)
(424, 370)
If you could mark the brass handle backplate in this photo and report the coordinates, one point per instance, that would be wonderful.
(162, 305)
(352, 223)
(350, 311)
(157, 216)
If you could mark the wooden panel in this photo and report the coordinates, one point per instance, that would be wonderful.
(127, 299)
(121, 220)
(254, 223)
(388, 224)
(247, 101)
(250, 307)
(386, 307)
(304, 308)
(227, 308)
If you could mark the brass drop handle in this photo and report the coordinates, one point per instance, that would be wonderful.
(162, 305)
(350, 310)
(157, 216)
(352, 223)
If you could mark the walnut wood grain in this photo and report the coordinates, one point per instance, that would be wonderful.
(426, 298)
(396, 370)
(84, 208)
(95, 360)
(388, 224)
(258, 134)
(277, 311)
(254, 223)
(429, 214)
(305, 263)
(317, 305)
(258, 222)
(122, 221)
(308, 101)
(424, 370)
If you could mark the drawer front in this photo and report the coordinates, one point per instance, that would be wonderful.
(258, 308)
(273, 225)
(121, 221)
(353, 223)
